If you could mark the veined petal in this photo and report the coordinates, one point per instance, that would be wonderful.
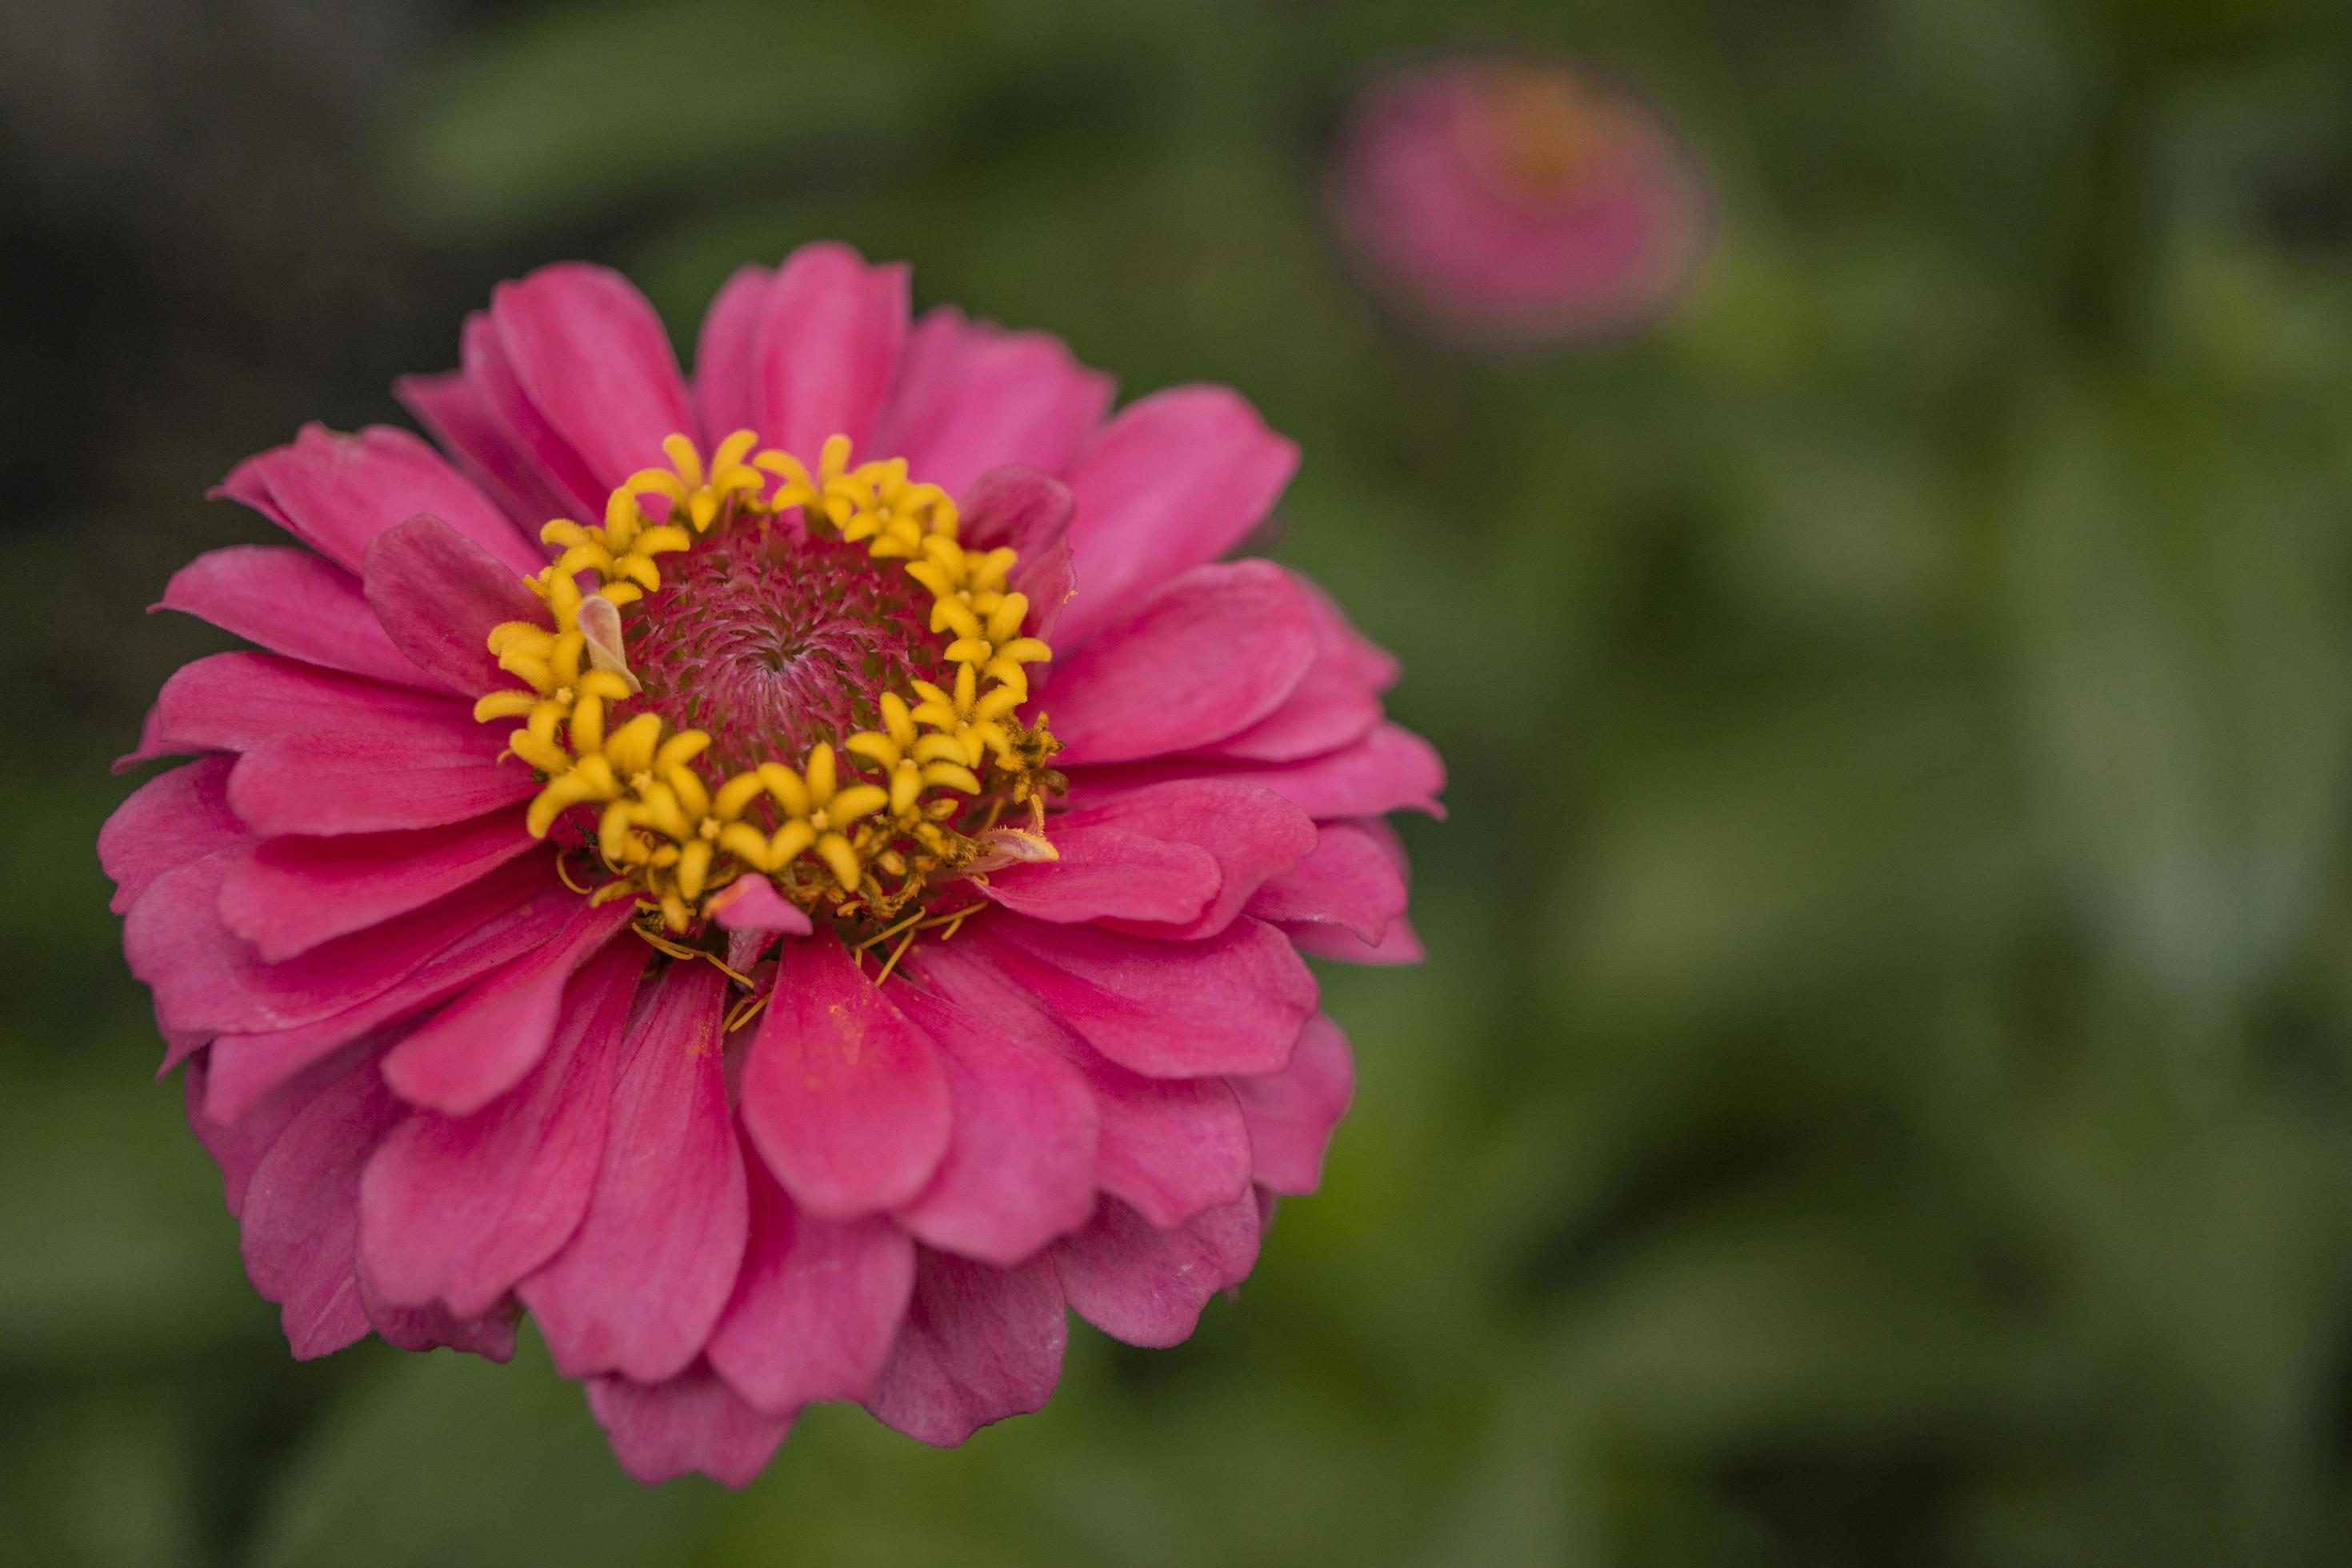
(844, 1098)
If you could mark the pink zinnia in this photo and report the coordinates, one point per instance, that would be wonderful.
(1515, 203)
(799, 921)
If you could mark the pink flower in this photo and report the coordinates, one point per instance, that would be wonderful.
(801, 920)
(1511, 202)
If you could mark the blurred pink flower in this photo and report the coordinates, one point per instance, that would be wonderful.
(730, 1160)
(1509, 202)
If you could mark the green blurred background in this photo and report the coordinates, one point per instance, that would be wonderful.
(1882, 1088)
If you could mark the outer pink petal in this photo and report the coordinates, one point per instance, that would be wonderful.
(971, 396)
(294, 893)
(490, 1335)
(437, 595)
(290, 602)
(727, 354)
(1170, 1147)
(828, 348)
(335, 493)
(233, 701)
(1232, 1003)
(300, 1218)
(1391, 769)
(845, 1098)
(1214, 653)
(1350, 882)
(482, 1043)
(1253, 833)
(1020, 1165)
(334, 784)
(453, 409)
(205, 978)
(1176, 479)
(979, 1344)
(594, 359)
(172, 819)
(458, 1208)
(1107, 871)
(246, 1066)
(1146, 1286)
(1336, 702)
(638, 1287)
(539, 454)
(815, 1306)
(693, 1422)
(1291, 1114)
(239, 1146)
(1398, 945)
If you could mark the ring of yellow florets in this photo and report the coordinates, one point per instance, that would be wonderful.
(857, 833)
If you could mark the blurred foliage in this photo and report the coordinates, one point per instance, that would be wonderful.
(1882, 1089)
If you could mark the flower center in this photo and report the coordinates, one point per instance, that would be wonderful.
(772, 640)
(819, 686)
(1536, 132)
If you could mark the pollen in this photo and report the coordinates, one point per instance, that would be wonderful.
(755, 667)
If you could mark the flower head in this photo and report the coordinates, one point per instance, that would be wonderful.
(1510, 202)
(794, 882)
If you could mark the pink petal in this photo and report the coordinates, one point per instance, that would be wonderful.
(1350, 882)
(752, 903)
(1176, 479)
(437, 595)
(828, 348)
(246, 1066)
(1215, 652)
(727, 354)
(332, 784)
(335, 493)
(1291, 1114)
(1398, 945)
(482, 1043)
(235, 702)
(691, 1423)
(172, 819)
(238, 1146)
(1109, 872)
(1146, 1286)
(1020, 1165)
(152, 742)
(454, 410)
(457, 1209)
(205, 978)
(1231, 1003)
(1335, 702)
(537, 452)
(971, 396)
(594, 358)
(815, 1306)
(1170, 1147)
(300, 1218)
(1028, 512)
(491, 1335)
(638, 1287)
(1252, 833)
(979, 1344)
(1391, 769)
(294, 893)
(844, 1098)
(479, 413)
(291, 602)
